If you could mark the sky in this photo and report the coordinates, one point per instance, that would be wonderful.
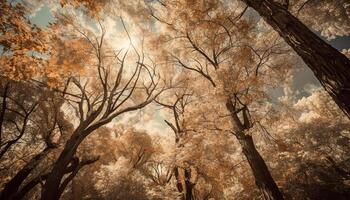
(42, 16)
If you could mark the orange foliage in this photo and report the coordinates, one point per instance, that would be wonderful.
(23, 44)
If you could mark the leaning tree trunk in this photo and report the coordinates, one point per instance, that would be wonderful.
(51, 189)
(261, 173)
(29, 186)
(14, 184)
(263, 178)
(331, 67)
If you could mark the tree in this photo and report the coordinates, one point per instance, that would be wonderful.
(137, 147)
(22, 43)
(30, 115)
(329, 65)
(240, 68)
(128, 188)
(107, 92)
(316, 152)
(186, 175)
(330, 25)
(101, 145)
(26, 117)
(73, 94)
(200, 151)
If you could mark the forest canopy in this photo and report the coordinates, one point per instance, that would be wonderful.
(175, 99)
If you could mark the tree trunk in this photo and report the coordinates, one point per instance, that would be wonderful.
(331, 67)
(184, 185)
(29, 186)
(35, 181)
(14, 184)
(263, 178)
(188, 184)
(51, 189)
(261, 173)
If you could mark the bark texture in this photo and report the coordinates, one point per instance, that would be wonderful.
(51, 190)
(263, 178)
(12, 187)
(54, 185)
(261, 173)
(331, 67)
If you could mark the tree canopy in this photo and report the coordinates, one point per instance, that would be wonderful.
(174, 99)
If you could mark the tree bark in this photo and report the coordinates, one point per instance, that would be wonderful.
(331, 67)
(14, 184)
(184, 185)
(51, 189)
(263, 178)
(261, 173)
(35, 181)
(29, 186)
